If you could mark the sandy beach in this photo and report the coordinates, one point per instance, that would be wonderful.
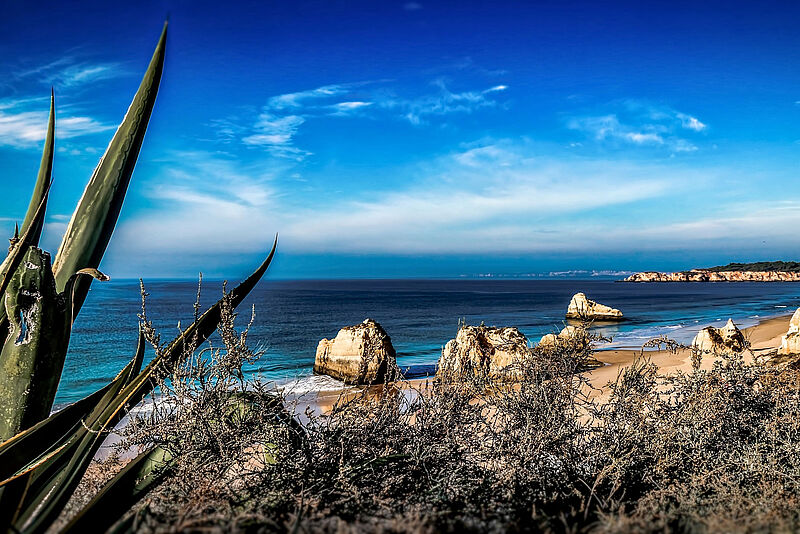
(763, 337)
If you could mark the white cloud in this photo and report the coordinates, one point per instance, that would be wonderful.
(85, 73)
(70, 71)
(21, 127)
(444, 102)
(343, 107)
(691, 123)
(501, 196)
(283, 115)
(639, 123)
(644, 138)
(302, 98)
(277, 135)
(203, 202)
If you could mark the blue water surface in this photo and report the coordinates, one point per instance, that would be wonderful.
(419, 315)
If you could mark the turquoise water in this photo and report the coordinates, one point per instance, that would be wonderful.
(419, 315)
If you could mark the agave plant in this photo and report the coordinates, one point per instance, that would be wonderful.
(42, 458)
(40, 301)
(41, 467)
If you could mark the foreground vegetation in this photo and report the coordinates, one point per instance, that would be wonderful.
(709, 451)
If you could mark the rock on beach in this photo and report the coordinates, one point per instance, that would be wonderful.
(490, 352)
(359, 354)
(582, 308)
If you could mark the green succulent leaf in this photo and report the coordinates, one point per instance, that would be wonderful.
(36, 224)
(120, 493)
(43, 486)
(89, 231)
(38, 325)
(34, 217)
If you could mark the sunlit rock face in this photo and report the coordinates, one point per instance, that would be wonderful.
(569, 336)
(790, 342)
(490, 352)
(726, 340)
(359, 354)
(581, 307)
(699, 275)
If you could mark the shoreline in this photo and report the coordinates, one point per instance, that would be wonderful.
(763, 336)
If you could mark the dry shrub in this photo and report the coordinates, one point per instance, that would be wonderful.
(707, 451)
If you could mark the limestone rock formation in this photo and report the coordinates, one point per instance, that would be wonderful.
(700, 275)
(582, 308)
(726, 340)
(359, 354)
(790, 343)
(490, 352)
(568, 335)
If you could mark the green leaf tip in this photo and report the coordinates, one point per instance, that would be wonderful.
(43, 179)
(95, 217)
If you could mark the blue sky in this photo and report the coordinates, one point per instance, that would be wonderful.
(385, 139)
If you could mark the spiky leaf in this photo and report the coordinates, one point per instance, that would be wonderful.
(33, 353)
(93, 221)
(43, 179)
(49, 481)
(38, 201)
(120, 493)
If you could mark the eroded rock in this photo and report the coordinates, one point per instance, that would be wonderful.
(486, 351)
(726, 340)
(582, 308)
(359, 354)
(790, 342)
(569, 336)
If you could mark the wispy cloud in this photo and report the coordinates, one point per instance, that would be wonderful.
(691, 123)
(489, 197)
(204, 202)
(276, 133)
(304, 98)
(70, 71)
(23, 127)
(443, 102)
(283, 115)
(642, 124)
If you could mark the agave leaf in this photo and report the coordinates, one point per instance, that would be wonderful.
(120, 493)
(32, 355)
(34, 217)
(93, 221)
(51, 479)
(21, 247)
(29, 452)
(36, 224)
(20, 451)
(23, 449)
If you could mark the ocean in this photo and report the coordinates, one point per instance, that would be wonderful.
(291, 316)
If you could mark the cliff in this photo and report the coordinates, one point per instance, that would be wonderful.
(706, 275)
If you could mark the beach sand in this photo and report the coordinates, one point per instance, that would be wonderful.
(763, 337)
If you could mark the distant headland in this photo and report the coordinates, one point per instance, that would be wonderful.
(762, 271)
